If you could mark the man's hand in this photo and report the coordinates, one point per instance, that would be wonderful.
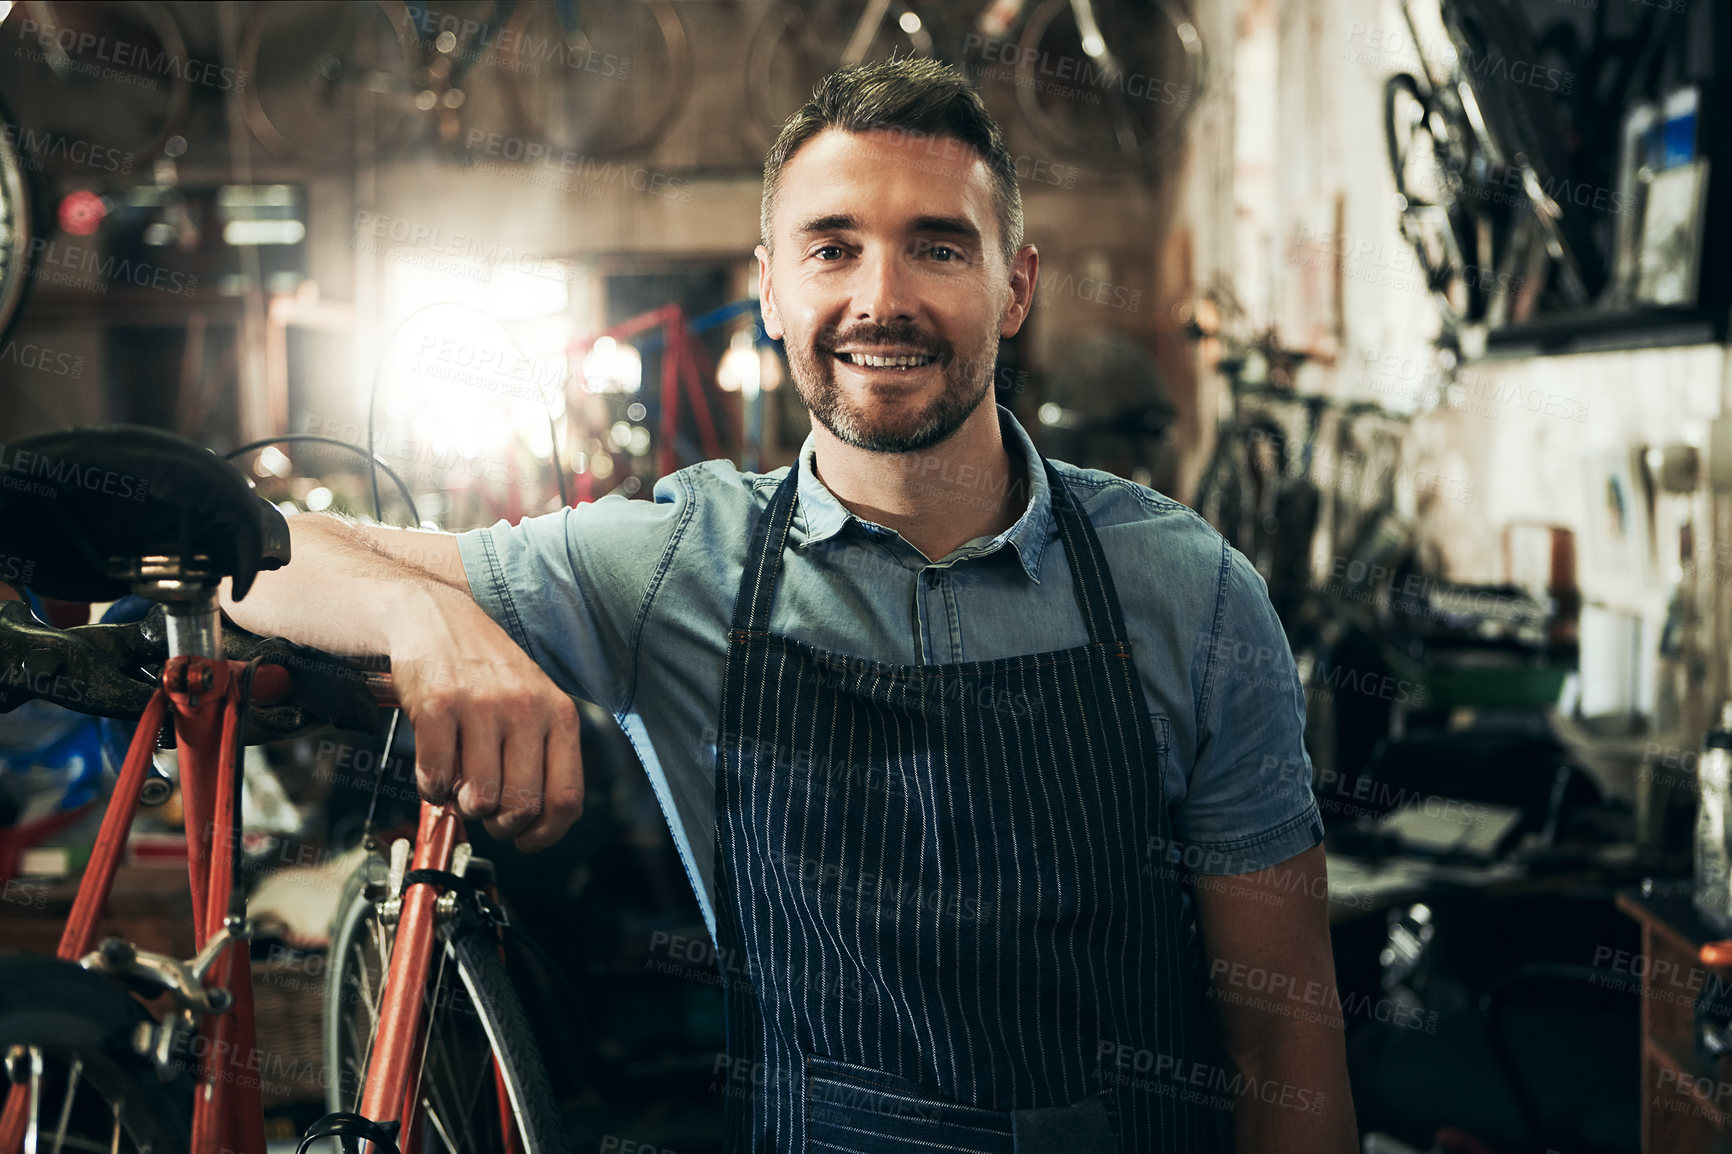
(488, 722)
(485, 715)
(1267, 938)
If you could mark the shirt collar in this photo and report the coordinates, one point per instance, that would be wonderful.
(822, 516)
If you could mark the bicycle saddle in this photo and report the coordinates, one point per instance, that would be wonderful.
(80, 508)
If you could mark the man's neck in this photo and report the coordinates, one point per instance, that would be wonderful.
(964, 487)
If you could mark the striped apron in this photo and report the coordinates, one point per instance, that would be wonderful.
(942, 921)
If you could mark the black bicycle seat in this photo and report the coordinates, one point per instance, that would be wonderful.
(79, 508)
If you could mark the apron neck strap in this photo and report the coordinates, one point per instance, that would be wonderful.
(1095, 591)
(1090, 577)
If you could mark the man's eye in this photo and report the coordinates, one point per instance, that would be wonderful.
(829, 252)
(943, 253)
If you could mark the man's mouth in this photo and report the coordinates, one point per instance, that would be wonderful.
(866, 360)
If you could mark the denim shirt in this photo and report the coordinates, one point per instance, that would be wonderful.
(627, 604)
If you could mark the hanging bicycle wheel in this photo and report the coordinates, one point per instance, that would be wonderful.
(1435, 179)
(332, 82)
(17, 256)
(1111, 85)
(98, 86)
(598, 79)
(483, 1087)
(798, 45)
(67, 1036)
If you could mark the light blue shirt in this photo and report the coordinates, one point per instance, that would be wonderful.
(627, 604)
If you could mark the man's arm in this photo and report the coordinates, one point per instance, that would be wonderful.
(483, 711)
(1266, 935)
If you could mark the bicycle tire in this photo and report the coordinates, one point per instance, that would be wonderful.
(1126, 137)
(299, 103)
(1437, 228)
(1524, 128)
(598, 110)
(136, 124)
(352, 971)
(69, 1014)
(20, 196)
(779, 81)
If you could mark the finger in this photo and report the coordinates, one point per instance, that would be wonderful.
(562, 803)
(478, 747)
(435, 755)
(520, 795)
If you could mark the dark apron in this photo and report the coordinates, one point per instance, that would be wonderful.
(935, 886)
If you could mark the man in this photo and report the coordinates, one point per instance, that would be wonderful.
(943, 731)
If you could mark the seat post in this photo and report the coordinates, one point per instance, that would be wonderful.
(188, 587)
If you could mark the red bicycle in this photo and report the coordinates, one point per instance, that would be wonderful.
(429, 1048)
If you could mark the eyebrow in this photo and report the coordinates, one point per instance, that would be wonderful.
(927, 225)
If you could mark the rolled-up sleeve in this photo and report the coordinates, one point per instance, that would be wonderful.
(1248, 803)
(570, 587)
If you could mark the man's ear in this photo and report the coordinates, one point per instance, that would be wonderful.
(766, 299)
(1024, 274)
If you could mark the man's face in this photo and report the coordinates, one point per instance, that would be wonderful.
(888, 285)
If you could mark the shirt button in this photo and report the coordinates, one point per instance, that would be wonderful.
(933, 579)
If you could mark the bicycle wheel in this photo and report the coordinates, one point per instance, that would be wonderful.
(600, 79)
(1524, 131)
(483, 1085)
(797, 45)
(67, 1036)
(99, 86)
(332, 81)
(1110, 84)
(18, 202)
(1431, 173)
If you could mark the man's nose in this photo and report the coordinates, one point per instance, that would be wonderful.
(881, 290)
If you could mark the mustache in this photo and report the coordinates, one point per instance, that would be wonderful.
(827, 341)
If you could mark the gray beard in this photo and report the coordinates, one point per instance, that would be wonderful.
(814, 373)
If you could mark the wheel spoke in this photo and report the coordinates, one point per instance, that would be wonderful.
(72, 1078)
(32, 1130)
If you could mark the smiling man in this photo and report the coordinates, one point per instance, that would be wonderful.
(979, 763)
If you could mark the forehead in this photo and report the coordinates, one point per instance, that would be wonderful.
(884, 177)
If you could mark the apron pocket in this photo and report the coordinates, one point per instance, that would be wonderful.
(857, 1110)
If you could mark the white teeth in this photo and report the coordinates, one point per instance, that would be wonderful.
(872, 362)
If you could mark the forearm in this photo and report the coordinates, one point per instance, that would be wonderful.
(1294, 1098)
(341, 591)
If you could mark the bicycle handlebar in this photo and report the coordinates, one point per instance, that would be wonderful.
(112, 671)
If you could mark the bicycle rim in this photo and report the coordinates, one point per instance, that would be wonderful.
(17, 225)
(330, 82)
(798, 45)
(124, 57)
(67, 1036)
(596, 79)
(480, 1066)
(1123, 103)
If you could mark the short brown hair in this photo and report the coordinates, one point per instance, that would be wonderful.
(915, 95)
